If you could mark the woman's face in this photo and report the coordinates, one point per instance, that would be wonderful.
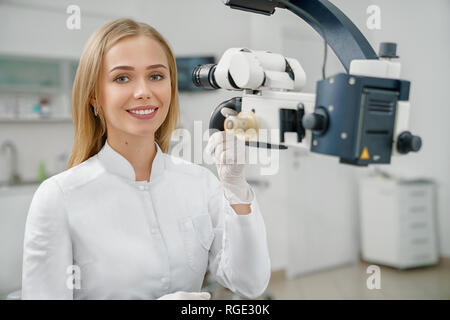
(134, 80)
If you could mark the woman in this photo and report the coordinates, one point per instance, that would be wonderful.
(127, 220)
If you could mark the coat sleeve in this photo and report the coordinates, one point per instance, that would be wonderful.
(47, 250)
(239, 256)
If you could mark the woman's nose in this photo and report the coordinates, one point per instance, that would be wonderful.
(142, 90)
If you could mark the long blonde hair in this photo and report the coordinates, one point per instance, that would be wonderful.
(90, 131)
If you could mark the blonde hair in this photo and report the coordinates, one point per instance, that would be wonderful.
(90, 131)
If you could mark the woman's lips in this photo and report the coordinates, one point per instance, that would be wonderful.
(143, 116)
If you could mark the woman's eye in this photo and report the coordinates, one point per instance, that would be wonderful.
(121, 79)
(157, 77)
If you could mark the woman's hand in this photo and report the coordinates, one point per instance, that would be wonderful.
(228, 153)
(183, 295)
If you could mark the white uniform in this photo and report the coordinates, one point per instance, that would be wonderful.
(138, 239)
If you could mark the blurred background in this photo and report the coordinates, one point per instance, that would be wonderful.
(334, 231)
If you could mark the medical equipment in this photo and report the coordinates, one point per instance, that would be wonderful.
(360, 116)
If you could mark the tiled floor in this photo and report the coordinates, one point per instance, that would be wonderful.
(349, 282)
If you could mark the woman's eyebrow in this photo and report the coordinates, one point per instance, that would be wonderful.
(153, 66)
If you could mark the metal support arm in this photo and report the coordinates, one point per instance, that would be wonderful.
(344, 38)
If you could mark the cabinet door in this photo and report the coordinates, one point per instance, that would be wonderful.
(27, 72)
(14, 205)
(418, 242)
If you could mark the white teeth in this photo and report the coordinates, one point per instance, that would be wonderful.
(148, 111)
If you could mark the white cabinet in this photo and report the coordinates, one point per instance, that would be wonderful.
(398, 222)
(14, 204)
(33, 88)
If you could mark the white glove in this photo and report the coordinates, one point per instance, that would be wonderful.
(183, 295)
(230, 166)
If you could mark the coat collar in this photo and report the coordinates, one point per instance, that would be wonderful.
(115, 163)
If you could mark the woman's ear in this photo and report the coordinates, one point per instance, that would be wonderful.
(92, 102)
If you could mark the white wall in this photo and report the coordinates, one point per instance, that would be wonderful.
(39, 27)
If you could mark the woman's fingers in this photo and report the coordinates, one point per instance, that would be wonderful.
(196, 296)
(227, 157)
(224, 148)
(225, 153)
(213, 142)
(204, 296)
(183, 295)
(218, 153)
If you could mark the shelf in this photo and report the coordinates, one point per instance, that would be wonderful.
(25, 81)
(29, 89)
(38, 120)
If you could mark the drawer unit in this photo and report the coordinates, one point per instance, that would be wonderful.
(398, 222)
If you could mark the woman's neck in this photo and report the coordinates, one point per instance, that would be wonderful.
(139, 151)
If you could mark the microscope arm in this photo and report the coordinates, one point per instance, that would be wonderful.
(347, 42)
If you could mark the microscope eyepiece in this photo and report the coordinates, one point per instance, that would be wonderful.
(203, 76)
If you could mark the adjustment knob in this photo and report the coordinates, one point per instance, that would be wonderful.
(388, 50)
(407, 142)
(316, 121)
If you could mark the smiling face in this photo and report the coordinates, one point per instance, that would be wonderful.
(134, 87)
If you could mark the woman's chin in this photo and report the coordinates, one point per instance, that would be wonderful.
(139, 132)
(143, 133)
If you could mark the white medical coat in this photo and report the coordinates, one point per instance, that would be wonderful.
(126, 239)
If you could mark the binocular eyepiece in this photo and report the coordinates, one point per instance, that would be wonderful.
(203, 76)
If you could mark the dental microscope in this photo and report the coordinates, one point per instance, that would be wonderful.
(360, 116)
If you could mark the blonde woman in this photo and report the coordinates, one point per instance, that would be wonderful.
(126, 220)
